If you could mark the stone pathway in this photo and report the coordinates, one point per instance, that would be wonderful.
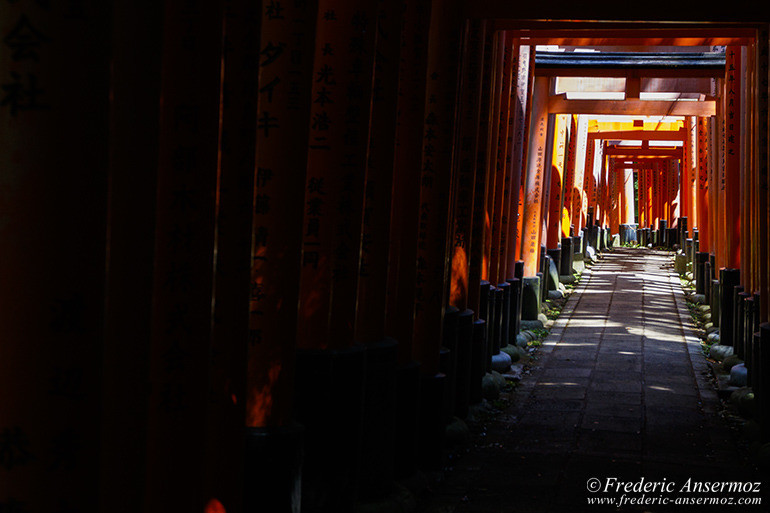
(621, 390)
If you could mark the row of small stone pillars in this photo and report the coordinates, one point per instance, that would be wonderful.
(735, 316)
(365, 422)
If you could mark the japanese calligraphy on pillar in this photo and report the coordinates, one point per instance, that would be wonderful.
(578, 193)
(26, 41)
(523, 81)
(536, 159)
(556, 202)
(338, 144)
(285, 73)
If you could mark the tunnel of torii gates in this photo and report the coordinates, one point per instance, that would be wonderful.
(286, 277)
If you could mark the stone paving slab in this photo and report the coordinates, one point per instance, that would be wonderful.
(621, 390)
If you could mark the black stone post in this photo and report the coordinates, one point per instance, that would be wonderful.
(739, 317)
(565, 264)
(406, 432)
(492, 326)
(728, 279)
(478, 360)
(748, 331)
(701, 264)
(662, 230)
(761, 389)
(464, 362)
(684, 233)
(449, 368)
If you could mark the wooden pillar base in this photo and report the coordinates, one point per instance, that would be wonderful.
(565, 265)
(407, 420)
(379, 419)
(464, 363)
(432, 422)
(739, 316)
(330, 404)
(478, 361)
(273, 469)
(761, 381)
(449, 361)
(728, 280)
(701, 262)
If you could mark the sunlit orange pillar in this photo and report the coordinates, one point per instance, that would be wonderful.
(603, 197)
(556, 202)
(467, 178)
(704, 214)
(733, 90)
(627, 212)
(54, 152)
(534, 182)
(578, 213)
(658, 193)
(642, 200)
(588, 179)
(716, 168)
(648, 195)
(691, 172)
(569, 176)
(614, 206)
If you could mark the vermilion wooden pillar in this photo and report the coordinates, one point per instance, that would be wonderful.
(373, 275)
(657, 193)
(435, 186)
(715, 185)
(128, 288)
(54, 126)
(232, 278)
(466, 174)
(641, 202)
(603, 200)
(520, 98)
(733, 91)
(556, 202)
(493, 158)
(578, 213)
(535, 171)
(649, 181)
(483, 177)
(588, 178)
(184, 256)
(690, 174)
(278, 208)
(498, 243)
(399, 320)
(704, 215)
(761, 145)
(615, 201)
(338, 144)
(569, 177)
(525, 86)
